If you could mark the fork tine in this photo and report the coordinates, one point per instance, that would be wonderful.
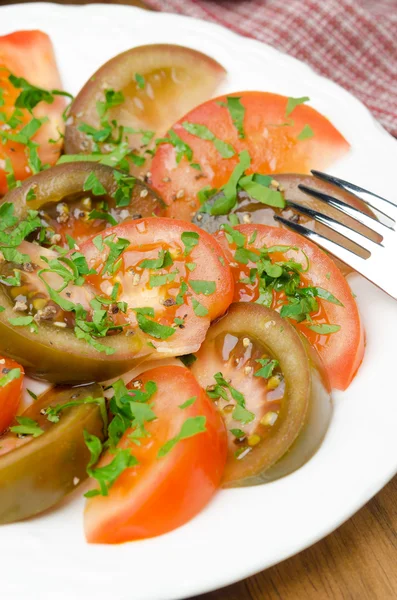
(347, 209)
(372, 200)
(347, 232)
(347, 256)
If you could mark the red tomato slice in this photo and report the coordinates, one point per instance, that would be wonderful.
(161, 494)
(273, 147)
(10, 391)
(342, 351)
(29, 54)
(194, 287)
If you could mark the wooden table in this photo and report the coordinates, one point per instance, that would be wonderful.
(357, 562)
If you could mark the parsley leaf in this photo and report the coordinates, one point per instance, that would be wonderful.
(202, 287)
(27, 426)
(202, 132)
(242, 414)
(10, 376)
(24, 322)
(199, 309)
(237, 113)
(188, 359)
(257, 190)
(224, 204)
(182, 149)
(190, 239)
(190, 428)
(324, 328)
(116, 250)
(92, 183)
(140, 81)
(159, 280)
(164, 260)
(306, 133)
(293, 102)
(267, 369)
(188, 402)
(156, 330)
(108, 474)
(238, 433)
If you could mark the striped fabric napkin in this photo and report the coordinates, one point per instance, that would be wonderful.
(353, 42)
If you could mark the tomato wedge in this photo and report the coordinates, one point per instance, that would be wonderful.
(287, 272)
(155, 84)
(11, 379)
(276, 142)
(30, 55)
(173, 278)
(162, 493)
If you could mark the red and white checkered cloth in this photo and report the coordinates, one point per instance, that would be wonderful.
(353, 42)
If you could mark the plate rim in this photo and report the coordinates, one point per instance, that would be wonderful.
(383, 479)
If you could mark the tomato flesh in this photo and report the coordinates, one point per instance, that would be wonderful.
(342, 351)
(29, 54)
(161, 494)
(272, 146)
(10, 393)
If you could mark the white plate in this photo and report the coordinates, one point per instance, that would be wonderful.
(246, 530)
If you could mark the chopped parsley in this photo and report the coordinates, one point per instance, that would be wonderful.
(188, 359)
(202, 287)
(292, 103)
(164, 259)
(222, 387)
(31, 96)
(27, 321)
(27, 426)
(238, 433)
(191, 427)
(189, 402)
(140, 81)
(190, 239)
(108, 474)
(11, 375)
(93, 184)
(281, 276)
(202, 132)
(267, 367)
(306, 133)
(199, 309)
(242, 415)
(159, 280)
(237, 113)
(152, 328)
(131, 410)
(324, 328)
(182, 149)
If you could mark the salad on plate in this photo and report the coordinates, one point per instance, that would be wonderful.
(187, 341)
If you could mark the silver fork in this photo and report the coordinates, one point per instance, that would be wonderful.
(378, 266)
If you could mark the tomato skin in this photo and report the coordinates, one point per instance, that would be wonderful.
(273, 149)
(341, 352)
(29, 54)
(160, 495)
(10, 394)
